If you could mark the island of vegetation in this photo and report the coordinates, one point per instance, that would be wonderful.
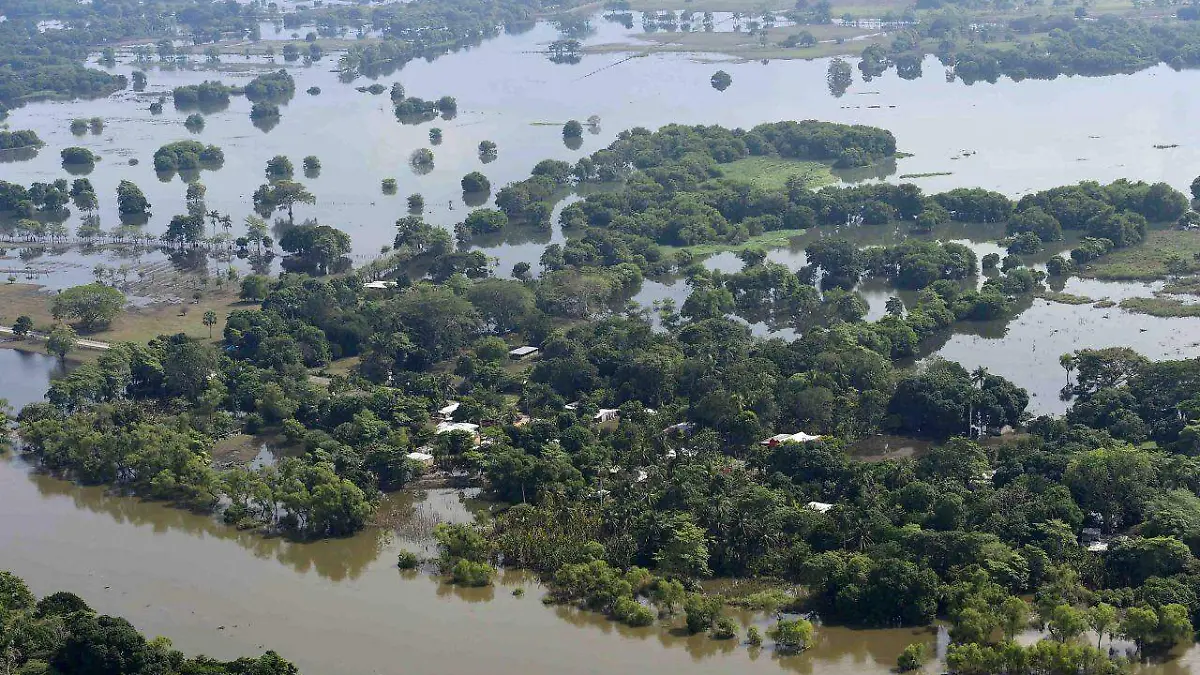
(25, 138)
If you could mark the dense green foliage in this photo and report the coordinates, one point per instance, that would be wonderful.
(264, 111)
(206, 96)
(60, 633)
(276, 87)
(91, 305)
(187, 156)
(24, 138)
(78, 156)
(130, 199)
(667, 172)
(318, 246)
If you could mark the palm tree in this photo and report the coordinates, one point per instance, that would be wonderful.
(978, 376)
(214, 217)
(1068, 363)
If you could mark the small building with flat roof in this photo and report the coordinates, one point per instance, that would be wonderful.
(520, 353)
(423, 458)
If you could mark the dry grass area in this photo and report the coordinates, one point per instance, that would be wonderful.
(135, 324)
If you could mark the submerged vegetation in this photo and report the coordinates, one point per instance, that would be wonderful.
(630, 456)
(630, 461)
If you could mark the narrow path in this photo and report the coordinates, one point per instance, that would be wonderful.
(82, 342)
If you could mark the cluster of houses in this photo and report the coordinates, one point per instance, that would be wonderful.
(444, 418)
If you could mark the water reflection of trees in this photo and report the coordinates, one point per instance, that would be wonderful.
(877, 171)
(18, 155)
(515, 235)
(337, 559)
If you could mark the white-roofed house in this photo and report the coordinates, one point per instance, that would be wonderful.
(423, 458)
(606, 415)
(465, 427)
(521, 353)
(798, 437)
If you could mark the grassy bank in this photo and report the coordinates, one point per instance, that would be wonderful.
(137, 324)
(1065, 298)
(1148, 260)
(1160, 307)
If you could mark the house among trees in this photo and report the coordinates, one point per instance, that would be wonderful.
(464, 427)
(779, 439)
(423, 458)
(522, 353)
(606, 415)
(447, 412)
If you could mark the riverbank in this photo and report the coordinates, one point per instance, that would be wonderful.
(135, 324)
(219, 591)
(1163, 253)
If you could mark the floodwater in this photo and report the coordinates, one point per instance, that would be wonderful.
(25, 377)
(509, 93)
(1012, 137)
(342, 606)
(1024, 347)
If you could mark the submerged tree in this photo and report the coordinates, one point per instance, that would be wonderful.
(840, 77)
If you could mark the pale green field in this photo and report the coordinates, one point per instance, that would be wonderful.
(773, 172)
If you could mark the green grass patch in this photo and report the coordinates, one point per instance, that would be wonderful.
(1161, 307)
(1148, 260)
(930, 174)
(1065, 298)
(772, 173)
(773, 239)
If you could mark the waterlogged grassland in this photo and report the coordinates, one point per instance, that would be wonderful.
(135, 324)
(1065, 298)
(772, 173)
(1148, 260)
(1160, 307)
